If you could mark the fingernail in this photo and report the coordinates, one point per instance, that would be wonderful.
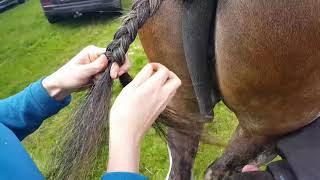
(121, 72)
(104, 57)
(249, 168)
(148, 66)
(113, 74)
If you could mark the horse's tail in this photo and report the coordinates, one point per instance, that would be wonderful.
(86, 134)
(197, 33)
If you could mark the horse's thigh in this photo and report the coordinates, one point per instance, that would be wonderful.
(161, 38)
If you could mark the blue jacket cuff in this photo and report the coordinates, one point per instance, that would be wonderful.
(48, 104)
(123, 176)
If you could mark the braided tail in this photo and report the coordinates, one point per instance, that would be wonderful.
(86, 133)
(127, 33)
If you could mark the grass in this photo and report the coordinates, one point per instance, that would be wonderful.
(32, 48)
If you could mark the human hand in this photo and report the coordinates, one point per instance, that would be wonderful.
(251, 172)
(81, 72)
(249, 168)
(134, 111)
(141, 102)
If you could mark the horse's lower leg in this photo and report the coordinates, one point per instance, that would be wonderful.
(243, 149)
(183, 149)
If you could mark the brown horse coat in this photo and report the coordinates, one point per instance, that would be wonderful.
(268, 59)
(267, 63)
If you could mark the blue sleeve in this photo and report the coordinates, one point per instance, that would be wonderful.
(123, 176)
(24, 112)
(16, 163)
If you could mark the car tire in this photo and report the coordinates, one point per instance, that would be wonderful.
(52, 19)
(21, 1)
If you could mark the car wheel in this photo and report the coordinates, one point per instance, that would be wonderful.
(52, 19)
(21, 1)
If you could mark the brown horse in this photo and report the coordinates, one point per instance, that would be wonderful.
(267, 59)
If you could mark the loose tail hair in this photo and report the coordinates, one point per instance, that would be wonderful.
(86, 133)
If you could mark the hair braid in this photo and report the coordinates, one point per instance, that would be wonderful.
(86, 133)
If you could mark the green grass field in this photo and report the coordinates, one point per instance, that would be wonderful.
(31, 48)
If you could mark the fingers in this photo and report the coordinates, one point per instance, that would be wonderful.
(100, 51)
(117, 71)
(114, 70)
(169, 89)
(249, 168)
(89, 54)
(95, 52)
(97, 61)
(172, 84)
(125, 67)
(168, 100)
(98, 65)
(158, 78)
(142, 76)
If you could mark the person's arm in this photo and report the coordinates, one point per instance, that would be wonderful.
(16, 163)
(24, 112)
(129, 124)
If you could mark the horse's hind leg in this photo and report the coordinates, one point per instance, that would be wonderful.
(162, 40)
(243, 149)
(183, 149)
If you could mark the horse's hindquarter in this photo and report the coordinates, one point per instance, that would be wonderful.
(161, 38)
(268, 62)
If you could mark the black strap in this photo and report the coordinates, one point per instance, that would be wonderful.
(197, 19)
(301, 150)
(281, 170)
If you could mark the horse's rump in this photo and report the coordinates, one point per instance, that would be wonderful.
(268, 62)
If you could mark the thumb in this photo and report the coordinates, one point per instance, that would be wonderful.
(98, 65)
(249, 168)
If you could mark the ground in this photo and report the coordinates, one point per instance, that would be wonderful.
(32, 48)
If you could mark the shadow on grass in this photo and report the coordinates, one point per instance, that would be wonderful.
(87, 19)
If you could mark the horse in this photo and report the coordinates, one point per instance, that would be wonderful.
(266, 65)
(260, 57)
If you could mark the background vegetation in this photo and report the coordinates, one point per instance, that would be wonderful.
(31, 48)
